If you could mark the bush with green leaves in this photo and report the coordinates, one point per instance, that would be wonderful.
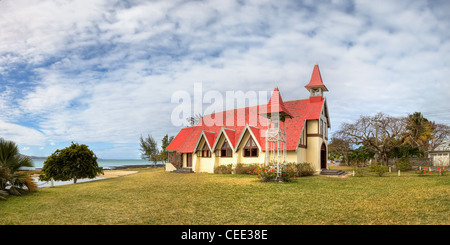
(301, 169)
(288, 172)
(403, 164)
(358, 171)
(379, 169)
(269, 173)
(224, 169)
(245, 168)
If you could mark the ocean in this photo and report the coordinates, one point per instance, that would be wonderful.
(107, 163)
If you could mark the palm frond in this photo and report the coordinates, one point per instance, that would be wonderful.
(12, 180)
(3, 195)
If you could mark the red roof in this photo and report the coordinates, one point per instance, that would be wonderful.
(210, 138)
(316, 80)
(257, 133)
(181, 137)
(237, 119)
(276, 105)
(231, 134)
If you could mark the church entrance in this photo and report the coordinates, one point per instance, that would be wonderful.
(323, 156)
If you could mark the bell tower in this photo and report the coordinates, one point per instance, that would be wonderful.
(315, 85)
(277, 114)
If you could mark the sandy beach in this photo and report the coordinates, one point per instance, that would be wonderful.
(107, 175)
(115, 173)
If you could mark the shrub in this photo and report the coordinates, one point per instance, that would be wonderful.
(403, 163)
(288, 173)
(269, 173)
(246, 168)
(358, 171)
(301, 169)
(421, 171)
(265, 173)
(223, 169)
(379, 169)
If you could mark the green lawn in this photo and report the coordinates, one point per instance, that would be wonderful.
(159, 198)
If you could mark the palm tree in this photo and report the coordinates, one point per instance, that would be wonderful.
(419, 131)
(12, 180)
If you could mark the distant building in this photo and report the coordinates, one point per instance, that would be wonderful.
(305, 124)
(441, 155)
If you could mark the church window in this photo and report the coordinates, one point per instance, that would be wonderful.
(225, 151)
(205, 151)
(250, 149)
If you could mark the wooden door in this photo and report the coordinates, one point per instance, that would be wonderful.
(189, 160)
(323, 157)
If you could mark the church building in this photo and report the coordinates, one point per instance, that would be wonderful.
(294, 131)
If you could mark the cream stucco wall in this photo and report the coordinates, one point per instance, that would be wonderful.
(205, 164)
(184, 156)
(313, 152)
(195, 162)
(301, 155)
(202, 164)
(314, 144)
(291, 156)
(312, 126)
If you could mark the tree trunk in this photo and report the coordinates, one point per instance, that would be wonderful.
(75, 180)
(386, 159)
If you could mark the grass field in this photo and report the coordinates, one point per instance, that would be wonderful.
(156, 197)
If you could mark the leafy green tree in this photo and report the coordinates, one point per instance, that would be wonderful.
(13, 181)
(419, 131)
(360, 156)
(149, 149)
(406, 150)
(425, 134)
(73, 162)
(165, 142)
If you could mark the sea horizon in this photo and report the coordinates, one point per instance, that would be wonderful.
(105, 163)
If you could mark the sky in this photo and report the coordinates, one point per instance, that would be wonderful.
(103, 73)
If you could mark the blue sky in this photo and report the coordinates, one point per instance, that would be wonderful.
(102, 73)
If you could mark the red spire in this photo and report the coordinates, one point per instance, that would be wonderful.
(316, 80)
(276, 105)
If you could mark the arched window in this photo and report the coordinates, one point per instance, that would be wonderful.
(251, 149)
(225, 151)
(205, 151)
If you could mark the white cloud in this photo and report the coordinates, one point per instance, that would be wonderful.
(21, 134)
(105, 72)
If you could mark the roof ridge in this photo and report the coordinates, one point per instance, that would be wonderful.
(208, 131)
